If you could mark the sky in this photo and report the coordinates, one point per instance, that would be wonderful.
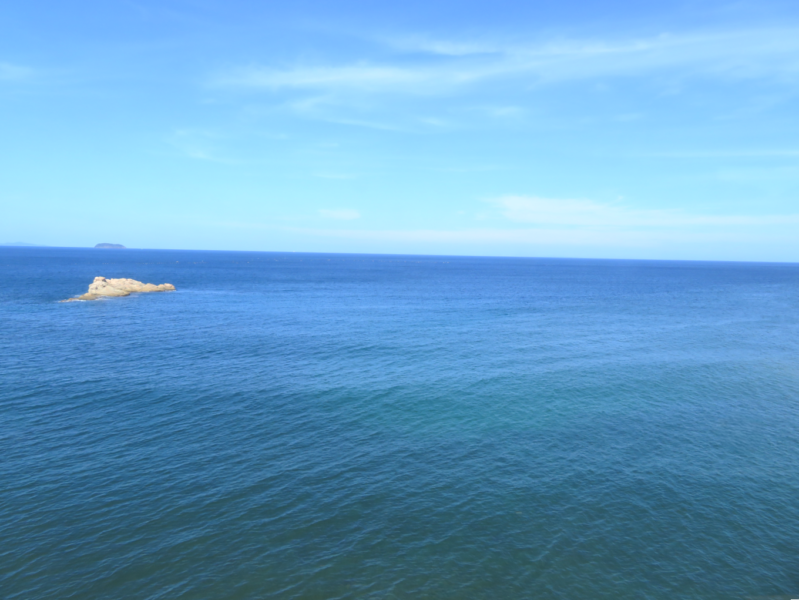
(612, 129)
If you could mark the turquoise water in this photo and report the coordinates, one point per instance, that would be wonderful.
(308, 426)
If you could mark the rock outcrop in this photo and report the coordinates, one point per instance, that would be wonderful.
(101, 287)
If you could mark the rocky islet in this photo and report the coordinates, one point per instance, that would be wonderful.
(102, 287)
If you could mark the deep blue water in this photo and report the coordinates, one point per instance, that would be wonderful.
(308, 426)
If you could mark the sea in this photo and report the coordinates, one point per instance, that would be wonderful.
(330, 426)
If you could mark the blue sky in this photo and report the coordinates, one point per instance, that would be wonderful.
(577, 129)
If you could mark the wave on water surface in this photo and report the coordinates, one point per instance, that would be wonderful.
(341, 426)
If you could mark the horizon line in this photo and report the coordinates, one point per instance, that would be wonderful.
(388, 254)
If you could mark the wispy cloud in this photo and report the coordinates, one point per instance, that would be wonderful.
(203, 145)
(587, 213)
(194, 144)
(535, 236)
(339, 214)
(11, 72)
(712, 154)
(361, 77)
(337, 176)
(736, 54)
(443, 47)
(538, 221)
(503, 112)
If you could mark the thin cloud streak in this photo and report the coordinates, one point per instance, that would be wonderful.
(363, 77)
(202, 145)
(10, 72)
(586, 213)
(340, 214)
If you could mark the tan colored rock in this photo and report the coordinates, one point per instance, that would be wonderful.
(119, 287)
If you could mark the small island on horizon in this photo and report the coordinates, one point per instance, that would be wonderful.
(111, 246)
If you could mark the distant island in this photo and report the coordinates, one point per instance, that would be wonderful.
(111, 246)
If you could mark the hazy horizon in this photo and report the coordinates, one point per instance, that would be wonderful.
(397, 254)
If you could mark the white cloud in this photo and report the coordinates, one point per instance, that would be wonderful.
(754, 53)
(740, 53)
(587, 213)
(340, 214)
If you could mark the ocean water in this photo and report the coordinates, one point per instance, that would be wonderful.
(309, 426)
